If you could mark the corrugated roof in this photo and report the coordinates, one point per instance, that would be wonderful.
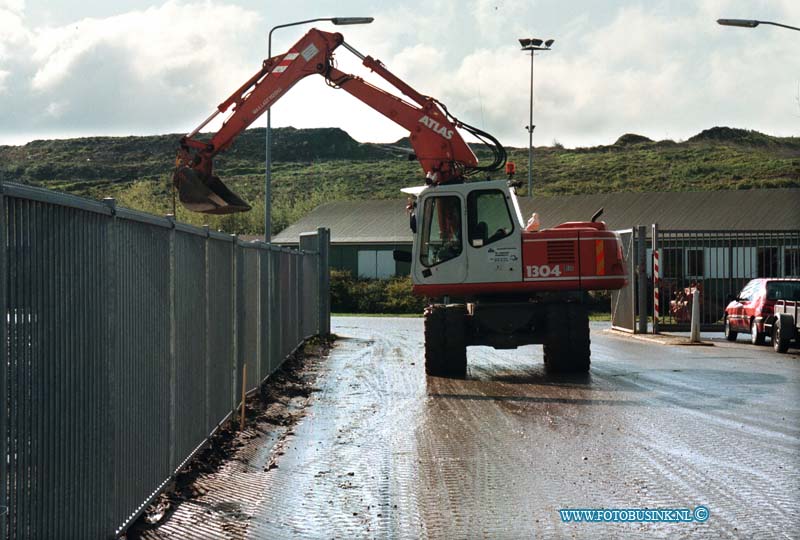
(385, 221)
(354, 221)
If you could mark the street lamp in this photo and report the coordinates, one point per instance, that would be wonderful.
(532, 44)
(748, 23)
(268, 176)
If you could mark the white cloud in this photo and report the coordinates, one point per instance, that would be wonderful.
(663, 69)
(646, 70)
(16, 6)
(12, 31)
(142, 71)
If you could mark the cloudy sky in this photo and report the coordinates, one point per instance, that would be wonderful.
(663, 69)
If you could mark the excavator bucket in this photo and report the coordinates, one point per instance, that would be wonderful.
(206, 194)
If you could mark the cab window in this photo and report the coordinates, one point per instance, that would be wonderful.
(489, 218)
(441, 231)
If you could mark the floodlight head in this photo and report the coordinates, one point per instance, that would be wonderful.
(351, 20)
(549, 42)
(536, 42)
(525, 42)
(743, 23)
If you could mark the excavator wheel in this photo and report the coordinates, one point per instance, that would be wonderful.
(566, 343)
(445, 340)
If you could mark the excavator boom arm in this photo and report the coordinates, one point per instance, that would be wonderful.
(439, 148)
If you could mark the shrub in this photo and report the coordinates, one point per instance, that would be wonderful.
(354, 295)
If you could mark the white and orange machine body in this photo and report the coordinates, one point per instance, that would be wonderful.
(490, 281)
(492, 255)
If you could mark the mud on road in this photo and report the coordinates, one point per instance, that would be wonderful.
(216, 494)
(384, 452)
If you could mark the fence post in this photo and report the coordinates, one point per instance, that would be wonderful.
(259, 314)
(3, 365)
(323, 245)
(207, 287)
(300, 314)
(641, 278)
(172, 348)
(111, 361)
(265, 297)
(235, 315)
(656, 279)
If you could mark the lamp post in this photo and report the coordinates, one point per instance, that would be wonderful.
(748, 23)
(268, 160)
(532, 45)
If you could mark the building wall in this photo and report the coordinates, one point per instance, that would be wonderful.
(369, 260)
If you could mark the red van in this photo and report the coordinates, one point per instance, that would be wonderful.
(752, 310)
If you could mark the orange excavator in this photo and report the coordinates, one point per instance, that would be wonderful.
(496, 282)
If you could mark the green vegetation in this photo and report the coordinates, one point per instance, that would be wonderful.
(322, 165)
(353, 295)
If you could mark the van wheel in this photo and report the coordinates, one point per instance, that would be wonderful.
(781, 333)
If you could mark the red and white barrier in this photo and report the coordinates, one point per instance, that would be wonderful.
(655, 287)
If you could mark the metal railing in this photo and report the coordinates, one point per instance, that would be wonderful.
(125, 342)
(719, 264)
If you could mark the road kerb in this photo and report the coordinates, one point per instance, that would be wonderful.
(661, 339)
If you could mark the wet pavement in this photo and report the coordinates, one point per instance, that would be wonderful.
(384, 452)
(381, 451)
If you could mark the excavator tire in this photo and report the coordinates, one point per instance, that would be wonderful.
(434, 341)
(566, 344)
(445, 341)
(456, 329)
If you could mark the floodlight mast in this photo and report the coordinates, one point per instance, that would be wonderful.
(532, 44)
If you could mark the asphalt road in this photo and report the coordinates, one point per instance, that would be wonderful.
(384, 452)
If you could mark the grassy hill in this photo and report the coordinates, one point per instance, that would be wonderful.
(319, 165)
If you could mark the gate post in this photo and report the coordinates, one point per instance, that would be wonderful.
(323, 245)
(656, 279)
(641, 277)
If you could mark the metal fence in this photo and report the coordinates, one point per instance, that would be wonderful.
(717, 263)
(125, 342)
